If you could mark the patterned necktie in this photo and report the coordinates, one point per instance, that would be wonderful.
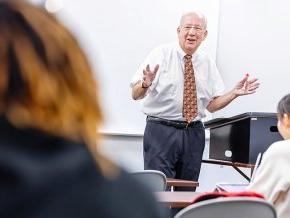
(189, 92)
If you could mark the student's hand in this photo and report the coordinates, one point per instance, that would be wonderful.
(246, 87)
(149, 75)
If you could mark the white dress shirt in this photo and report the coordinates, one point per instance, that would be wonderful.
(273, 179)
(164, 98)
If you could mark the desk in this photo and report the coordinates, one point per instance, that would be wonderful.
(181, 183)
(235, 165)
(176, 199)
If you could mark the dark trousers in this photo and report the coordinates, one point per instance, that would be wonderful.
(176, 150)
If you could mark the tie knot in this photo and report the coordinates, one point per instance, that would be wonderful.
(187, 57)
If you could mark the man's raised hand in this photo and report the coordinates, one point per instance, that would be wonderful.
(149, 75)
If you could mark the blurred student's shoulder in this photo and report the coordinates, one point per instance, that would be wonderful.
(279, 148)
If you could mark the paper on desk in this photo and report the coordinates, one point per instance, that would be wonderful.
(231, 187)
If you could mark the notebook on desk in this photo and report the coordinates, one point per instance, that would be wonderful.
(238, 187)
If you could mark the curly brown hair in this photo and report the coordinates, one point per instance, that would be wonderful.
(46, 81)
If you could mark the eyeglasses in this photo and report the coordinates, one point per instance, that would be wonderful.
(197, 29)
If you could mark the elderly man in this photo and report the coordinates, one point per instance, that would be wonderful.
(178, 82)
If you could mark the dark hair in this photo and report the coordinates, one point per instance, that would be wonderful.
(284, 106)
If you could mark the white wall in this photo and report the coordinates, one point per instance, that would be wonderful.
(254, 37)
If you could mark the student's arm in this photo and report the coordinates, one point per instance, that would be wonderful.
(272, 175)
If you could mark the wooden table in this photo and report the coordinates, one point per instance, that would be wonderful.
(235, 165)
(176, 199)
(181, 183)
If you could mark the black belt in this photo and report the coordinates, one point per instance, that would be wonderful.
(175, 123)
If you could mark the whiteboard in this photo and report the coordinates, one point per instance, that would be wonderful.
(118, 35)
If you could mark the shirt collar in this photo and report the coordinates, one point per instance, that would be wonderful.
(181, 53)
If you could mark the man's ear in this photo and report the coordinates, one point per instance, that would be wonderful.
(178, 29)
(205, 35)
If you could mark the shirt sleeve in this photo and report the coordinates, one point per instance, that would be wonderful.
(272, 175)
(217, 83)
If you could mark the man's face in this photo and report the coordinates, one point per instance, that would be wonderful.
(191, 33)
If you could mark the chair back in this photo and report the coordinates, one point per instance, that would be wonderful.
(230, 207)
(154, 179)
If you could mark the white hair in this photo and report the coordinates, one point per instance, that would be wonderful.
(195, 13)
